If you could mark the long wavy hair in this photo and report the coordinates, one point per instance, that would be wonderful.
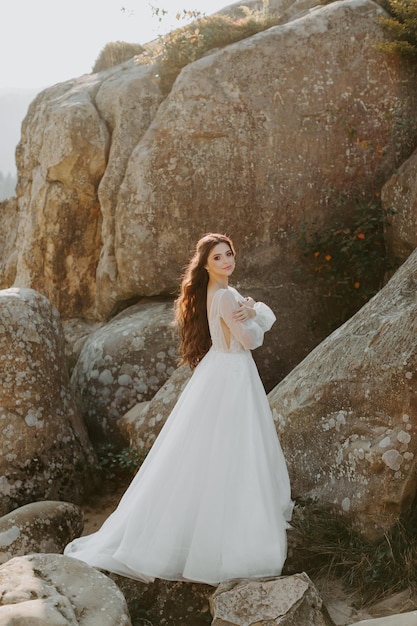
(191, 304)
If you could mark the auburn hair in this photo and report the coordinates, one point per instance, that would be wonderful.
(191, 304)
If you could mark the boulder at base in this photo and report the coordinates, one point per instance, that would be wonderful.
(45, 453)
(143, 423)
(346, 415)
(56, 590)
(124, 362)
(39, 527)
(289, 601)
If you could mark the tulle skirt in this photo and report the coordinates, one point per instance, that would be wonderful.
(212, 500)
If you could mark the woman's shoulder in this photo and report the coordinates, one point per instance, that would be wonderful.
(234, 292)
(228, 298)
(228, 293)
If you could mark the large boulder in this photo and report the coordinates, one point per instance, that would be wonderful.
(285, 601)
(399, 198)
(45, 526)
(55, 590)
(61, 159)
(9, 216)
(258, 158)
(346, 415)
(76, 136)
(44, 449)
(124, 362)
(76, 333)
(142, 424)
(128, 116)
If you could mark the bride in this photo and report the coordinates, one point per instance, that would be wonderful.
(212, 500)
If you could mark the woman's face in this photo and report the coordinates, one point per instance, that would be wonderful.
(220, 261)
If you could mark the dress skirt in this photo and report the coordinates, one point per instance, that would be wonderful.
(211, 502)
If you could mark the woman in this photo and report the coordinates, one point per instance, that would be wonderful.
(212, 499)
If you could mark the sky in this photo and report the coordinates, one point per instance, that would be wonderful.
(44, 42)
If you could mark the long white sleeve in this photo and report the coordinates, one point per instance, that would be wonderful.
(265, 317)
(250, 333)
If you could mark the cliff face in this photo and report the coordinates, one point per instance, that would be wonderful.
(45, 452)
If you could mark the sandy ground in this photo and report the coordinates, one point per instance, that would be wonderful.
(99, 508)
(340, 605)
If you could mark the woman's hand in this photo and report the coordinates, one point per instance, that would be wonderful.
(245, 310)
(249, 302)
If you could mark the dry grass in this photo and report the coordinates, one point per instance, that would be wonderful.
(327, 547)
(114, 53)
(186, 45)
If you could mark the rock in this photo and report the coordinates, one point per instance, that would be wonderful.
(165, 603)
(404, 619)
(343, 608)
(67, 219)
(55, 590)
(399, 199)
(44, 449)
(128, 115)
(289, 601)
(255, 157)
(400, 602)
(61, 159)
(144, 421)
(124, 362)
(76, 332)
(345, 415)
(46, 526)
(9, 216)
(127, 423)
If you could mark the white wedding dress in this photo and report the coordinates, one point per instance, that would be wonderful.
(212, 500)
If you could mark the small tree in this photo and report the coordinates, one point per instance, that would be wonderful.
(114, 53)
(402, 24)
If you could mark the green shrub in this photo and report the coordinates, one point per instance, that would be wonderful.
(189, 43)
(402, 26)
(114, 53)
(119, 464)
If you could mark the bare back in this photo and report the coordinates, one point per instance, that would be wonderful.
(226, 330)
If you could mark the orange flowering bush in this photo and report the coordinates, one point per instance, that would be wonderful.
(347, 262)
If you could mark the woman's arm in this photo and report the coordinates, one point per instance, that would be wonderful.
(249, 333)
